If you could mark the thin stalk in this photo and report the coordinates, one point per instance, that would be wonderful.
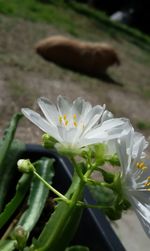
(52, 188)
(77, 193)
(78, 169)
(102, 184)
(82, 204)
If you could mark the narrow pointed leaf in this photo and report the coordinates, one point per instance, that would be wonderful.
(8, 137)
(8, 154)
(21, 190)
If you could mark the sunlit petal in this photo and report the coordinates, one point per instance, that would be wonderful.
(41, 123)
(64, 106)
(49, 109)
(143, 213)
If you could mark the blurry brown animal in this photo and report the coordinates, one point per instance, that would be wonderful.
(84, 57)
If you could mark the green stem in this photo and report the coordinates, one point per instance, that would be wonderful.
(62, 224)
(87, 175)
(102, 184)
(77, 193)
(89, 171)
(82, 204)
(52, 188)
(78, 169)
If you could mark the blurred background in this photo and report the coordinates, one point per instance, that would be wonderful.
(134, 13)
(24, 75)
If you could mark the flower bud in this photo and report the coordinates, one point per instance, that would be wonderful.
(48, 141)
(25, 166)
(21, 235)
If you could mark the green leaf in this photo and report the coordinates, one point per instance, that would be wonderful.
(21, 190)
(37, 197)
(60, 229)
(104, 196)
(107, 176)
(7, 245)
(8, 156)
(77, 248)
(9, 173)
(8, 137)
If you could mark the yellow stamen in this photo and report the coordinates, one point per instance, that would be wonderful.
(65, 116)
(74, 116)
(60, 119)
(146, 184)
(66, 122)
(75, 123)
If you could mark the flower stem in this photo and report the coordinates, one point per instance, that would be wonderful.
(52, 188)
(99, 183)
(78, 169)
(82, 204)
(63, 223)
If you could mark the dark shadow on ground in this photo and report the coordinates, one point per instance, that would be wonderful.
(108, 79)
(105, 77)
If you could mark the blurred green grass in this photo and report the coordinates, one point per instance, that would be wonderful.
(63, 15)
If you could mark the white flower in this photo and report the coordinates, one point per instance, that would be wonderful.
(136, 175)
(76, 124)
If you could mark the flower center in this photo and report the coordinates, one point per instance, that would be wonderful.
(65, 121)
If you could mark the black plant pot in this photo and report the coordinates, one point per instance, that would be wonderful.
(94, 230)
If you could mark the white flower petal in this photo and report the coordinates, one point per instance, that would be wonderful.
(115, 123)
(50, 111)
(64, 106)
(113, 127)
(96, 110)
(137, 141)
(123, 157)
(91, 123)
(143, 213)
(41, 123)
(106, 115)
(90, 141)
(80, 108)
(67, 135)
(124, 149)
